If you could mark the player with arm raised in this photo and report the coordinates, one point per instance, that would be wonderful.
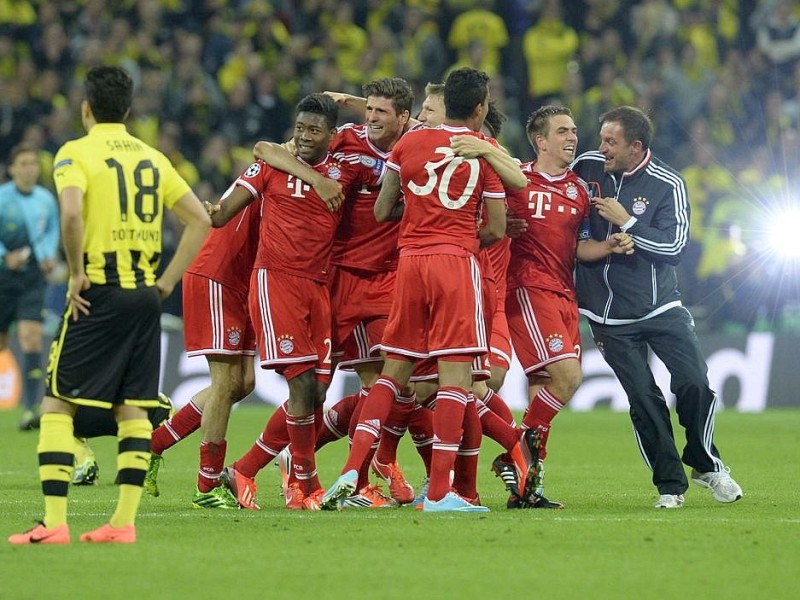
(289, 301)
(436, 307)
(363, 275)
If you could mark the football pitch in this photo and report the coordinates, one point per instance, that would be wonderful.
(609, 542)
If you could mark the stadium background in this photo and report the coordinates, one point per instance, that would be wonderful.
(720, 79)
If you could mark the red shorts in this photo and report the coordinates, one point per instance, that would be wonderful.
(437, 308)
(215, 318)
(544, 328)
(361, 302)
(500, 350)
(292, 319)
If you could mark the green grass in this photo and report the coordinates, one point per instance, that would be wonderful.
(608, 543)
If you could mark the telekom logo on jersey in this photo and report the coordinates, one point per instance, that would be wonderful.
(741, 377)
(540, 202)
(298, 186)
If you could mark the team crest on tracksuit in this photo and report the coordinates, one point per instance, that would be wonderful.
(639, 205)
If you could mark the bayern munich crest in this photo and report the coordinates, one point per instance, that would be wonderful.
(571, 191)
(252, 170)
(234, 336)
(639, 206)
(555, 342)
(285, 344)
(334, 173)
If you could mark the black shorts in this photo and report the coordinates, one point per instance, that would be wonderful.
(112, 355)
(93, 422)
(21, 297)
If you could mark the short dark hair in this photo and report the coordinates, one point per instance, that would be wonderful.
(464, 89)
(109, 91)
(320, 104)
(635, 124)
(494, 119)
(539, 121)
(394, 88)
(22, 148)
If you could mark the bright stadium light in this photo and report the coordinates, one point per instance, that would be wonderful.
(783, 233)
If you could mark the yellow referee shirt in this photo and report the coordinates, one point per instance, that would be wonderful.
(126, 185)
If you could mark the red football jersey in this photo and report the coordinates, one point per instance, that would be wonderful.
(228, 253)
(444, 193)
(361, 242)
(557, 212)
(296, 234)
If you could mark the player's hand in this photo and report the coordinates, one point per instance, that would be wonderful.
(515, 227)
(16, 259)
(290, 147)
(164, 288)
(211, 208)
(621, 243)
(469, 146)
(47, 266)
(330, 192)
(611, 210)
(338, 97)
(77, 303)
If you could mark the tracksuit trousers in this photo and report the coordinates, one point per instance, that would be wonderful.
(671, 337)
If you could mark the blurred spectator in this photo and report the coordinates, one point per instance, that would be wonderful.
(653, 22)
(548, 46)
(479, 24)
(778, 37)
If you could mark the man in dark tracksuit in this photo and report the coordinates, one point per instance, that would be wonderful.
(633, 304)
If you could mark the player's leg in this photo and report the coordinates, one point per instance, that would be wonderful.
(135, 367)
(55, 450)
(29, 333)
(374, 410)
(455, 379)
(232, 378)
(628, 355)
(675, 343)
(134, 433)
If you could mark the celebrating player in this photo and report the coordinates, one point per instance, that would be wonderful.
(541, 306)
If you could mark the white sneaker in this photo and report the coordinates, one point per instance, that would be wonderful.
(721, 484)
(669, 501)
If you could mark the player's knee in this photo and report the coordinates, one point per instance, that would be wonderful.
(566, 382)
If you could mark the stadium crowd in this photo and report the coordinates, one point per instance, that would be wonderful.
(719, 78)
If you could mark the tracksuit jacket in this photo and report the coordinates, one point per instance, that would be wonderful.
(626, 289)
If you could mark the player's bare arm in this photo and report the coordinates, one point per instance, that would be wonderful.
(196, 224)
(389, 197)
(470, 146)
(355, 103)
(71, 202)
(494, 228)
(592, 250)
(232, 202)
(277, 156)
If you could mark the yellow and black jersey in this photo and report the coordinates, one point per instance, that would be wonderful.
(126, 186)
